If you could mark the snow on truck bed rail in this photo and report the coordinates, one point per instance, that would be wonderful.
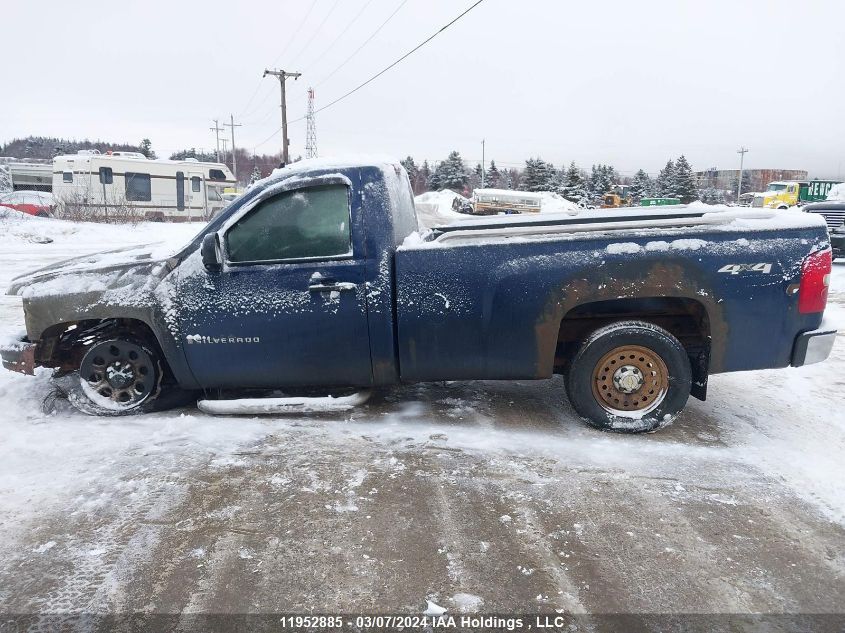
(630, 222)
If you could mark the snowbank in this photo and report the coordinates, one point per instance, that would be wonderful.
(555, 203)
(435, 207)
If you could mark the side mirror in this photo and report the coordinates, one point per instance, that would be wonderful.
(212, 257)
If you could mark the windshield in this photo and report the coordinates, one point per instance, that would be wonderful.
(213, 193)
(775, 186)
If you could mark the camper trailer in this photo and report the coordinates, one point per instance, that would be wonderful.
(175, 190)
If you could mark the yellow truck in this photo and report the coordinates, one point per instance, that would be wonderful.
(791, 193)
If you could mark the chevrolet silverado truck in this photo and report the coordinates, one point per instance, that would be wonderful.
(318, 276)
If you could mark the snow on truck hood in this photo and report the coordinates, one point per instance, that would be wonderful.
(90, 272)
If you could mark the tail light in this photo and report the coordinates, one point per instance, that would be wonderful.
(815, 279)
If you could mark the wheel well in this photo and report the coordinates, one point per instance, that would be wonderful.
(63, 345)
(685, 319)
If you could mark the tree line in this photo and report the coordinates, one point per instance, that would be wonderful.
(675, 180)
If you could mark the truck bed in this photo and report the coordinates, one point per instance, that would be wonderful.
(493, 298)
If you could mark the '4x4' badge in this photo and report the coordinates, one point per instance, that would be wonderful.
(735, 269)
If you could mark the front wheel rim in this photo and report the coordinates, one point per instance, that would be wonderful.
(118, 375)
(630, 381)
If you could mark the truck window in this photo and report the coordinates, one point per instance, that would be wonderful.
(195, 184)
(216, 174)
(309, 223)
(67, 176)
(138, 187)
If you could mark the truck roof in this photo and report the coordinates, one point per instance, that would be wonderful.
(351, 161)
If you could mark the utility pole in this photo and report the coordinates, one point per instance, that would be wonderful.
(217, 129)
(482, 163)
(741, 151)
(282, 76)
(233, 125)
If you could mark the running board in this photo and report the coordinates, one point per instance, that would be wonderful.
(272, 406)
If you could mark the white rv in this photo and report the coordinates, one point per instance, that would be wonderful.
(177, 190)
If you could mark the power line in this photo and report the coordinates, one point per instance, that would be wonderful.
(342, 33)
(385, 69)
(358, 50)
(314, 34)
(405, 56)
(284, 50)
(348, 59)
(298, 30)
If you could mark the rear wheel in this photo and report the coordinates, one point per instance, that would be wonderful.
(629, 377)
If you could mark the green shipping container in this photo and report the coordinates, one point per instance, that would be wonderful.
(815, 190)
(658, 202)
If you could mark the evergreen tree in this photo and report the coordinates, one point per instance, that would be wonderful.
(203, 157)
(256, 174)
(711, 195)
(686, 185)
(539, 175)
(5, 179)
(475, 178)
(664, 186)
(574, 184)
(450, 174)
(421, 186)
(417, 176)
(602, 178)
(642, 185)
(493, 177)
(410, 167)
(147, 148)
(552, 178)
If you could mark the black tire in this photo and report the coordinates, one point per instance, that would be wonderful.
(89, 390)
(588, 378)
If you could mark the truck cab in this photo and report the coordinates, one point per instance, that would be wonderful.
(778, 195)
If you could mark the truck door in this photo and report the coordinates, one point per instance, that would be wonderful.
(289, 305)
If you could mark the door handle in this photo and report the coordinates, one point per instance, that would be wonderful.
(333, 286)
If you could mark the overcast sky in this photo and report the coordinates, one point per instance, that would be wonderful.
(625, 82)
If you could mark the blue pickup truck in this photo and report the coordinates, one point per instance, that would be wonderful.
(320, 276)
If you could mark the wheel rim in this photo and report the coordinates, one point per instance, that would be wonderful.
(630, 381)
(118, 374)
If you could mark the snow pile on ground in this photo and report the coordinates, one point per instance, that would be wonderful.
(552, 202)
(435, 207)
(837, 192)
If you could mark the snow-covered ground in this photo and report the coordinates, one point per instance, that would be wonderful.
(476, 496)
